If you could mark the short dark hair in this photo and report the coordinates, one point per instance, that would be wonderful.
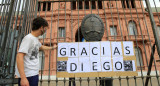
(39, 22)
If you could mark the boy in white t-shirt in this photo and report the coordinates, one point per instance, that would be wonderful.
(28, 55)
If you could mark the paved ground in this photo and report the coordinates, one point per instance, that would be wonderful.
(131, 82)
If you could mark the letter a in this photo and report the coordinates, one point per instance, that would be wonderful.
(116, 51)
(84, 51)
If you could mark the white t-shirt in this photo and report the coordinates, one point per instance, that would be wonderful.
(30, 46)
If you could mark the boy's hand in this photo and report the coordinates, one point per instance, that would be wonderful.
(24, 82)
(54, 47)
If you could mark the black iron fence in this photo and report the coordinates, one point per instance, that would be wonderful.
(124, 20)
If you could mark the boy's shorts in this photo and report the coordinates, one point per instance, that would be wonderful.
(33, 80)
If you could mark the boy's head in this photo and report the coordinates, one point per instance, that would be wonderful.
(39, 23)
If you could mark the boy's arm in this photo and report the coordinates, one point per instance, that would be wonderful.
(20, 66)
(47, 48)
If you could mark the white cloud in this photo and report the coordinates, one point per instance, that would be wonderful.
(157, 3)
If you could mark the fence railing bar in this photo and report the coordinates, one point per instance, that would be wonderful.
(105, 20)
(28, 18)
(39, 9)
(36, 9)
(144, 46)
(120, 83)
(6, 49)
(21, 21)
(4, 10)
(6, 56)
(49, 78)
(96, 80)
(65, 30)
(91, 5)
(136, 42)
(155, 32)
(16, 36)
(119, 21)
(98, 7)
(64, 81)
(150, 65)
(104, 81)
(80, 80)
(74, 0)
(71, 21)
(28, 15)
(24, 21)
(114, 78)
(11, 39)
(2, 15)
(142, 40)
(135, 38)
(88, 80)
(85, 7)
(112, 20)
(127, 80)
(135, 80)
(57, 39)
(78, 23)
(31, 16)
(137, 45)
(124, 12)
(56, 81)
(1, 5)
(3, 48)
(44, 36)
(1, 31)
(156, 10)
(149, 40)
(3, 19)
(32, 11)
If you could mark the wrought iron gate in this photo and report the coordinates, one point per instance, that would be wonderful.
(125, 20)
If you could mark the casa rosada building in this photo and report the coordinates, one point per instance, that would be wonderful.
(123, 21)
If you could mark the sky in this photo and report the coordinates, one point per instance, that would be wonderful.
(157, 2)
(152, 3)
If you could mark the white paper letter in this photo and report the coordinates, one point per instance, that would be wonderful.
(106, 64)
(73, 49)
(84, 64)
(84, 49)
(95, 64)
(94, 49)
(128, 48)
(118, 64)
(105, 49)
(116, 49)
(62, 49)
(72, 65)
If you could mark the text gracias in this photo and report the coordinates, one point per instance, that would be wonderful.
(95, 56)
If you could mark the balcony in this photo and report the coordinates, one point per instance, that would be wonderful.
(116, 38)
(46, 40)
(54, 40)
(138, 38)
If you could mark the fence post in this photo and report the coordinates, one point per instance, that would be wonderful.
(7, 28)
(155, 32)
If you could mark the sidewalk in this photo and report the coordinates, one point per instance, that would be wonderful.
(93, 83)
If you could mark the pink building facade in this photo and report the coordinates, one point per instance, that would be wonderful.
(123, 21)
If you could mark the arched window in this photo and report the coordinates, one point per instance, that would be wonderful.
(132, 28)
(128, 3)
(133, 3)
(138, 56)
(93, 4)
